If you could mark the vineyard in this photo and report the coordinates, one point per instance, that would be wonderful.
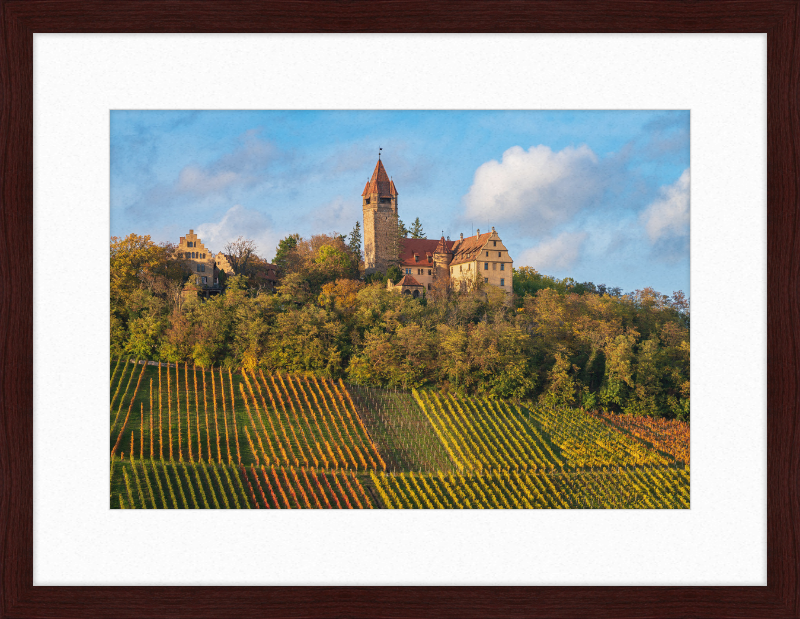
(184, 437)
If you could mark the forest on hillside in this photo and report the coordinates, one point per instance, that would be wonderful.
(553, 341)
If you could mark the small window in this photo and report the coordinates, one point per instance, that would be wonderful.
(495, 243)
(416, 258)
(188, 254)
(429, 259)
(485, 266)
(499, 254)
(429, 286)
(485, 280)
(205, 280)
(487, 254)
(429, 271)
(408, 271)
(502, 282)
(502, 266)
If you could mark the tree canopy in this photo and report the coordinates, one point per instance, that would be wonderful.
(555, 341)
(416, 231)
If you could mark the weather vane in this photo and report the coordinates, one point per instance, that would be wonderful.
(379, 153)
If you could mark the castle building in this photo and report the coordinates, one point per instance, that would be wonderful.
(206, 267)
(461, 263)
(379, 203)
(199, 260)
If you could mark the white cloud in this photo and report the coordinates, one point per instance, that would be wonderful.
(338, 215)
(555, 254)
(668, 216)
(238, 221)
(246, 165)
(193, 179)
(537, 187)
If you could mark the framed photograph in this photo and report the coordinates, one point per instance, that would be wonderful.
(371, 364)
(210, 155)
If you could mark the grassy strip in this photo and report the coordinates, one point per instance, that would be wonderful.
(147, 481)
(160, 487)
(128, 486)
(241, 485)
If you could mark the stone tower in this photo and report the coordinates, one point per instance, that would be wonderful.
(442, 257)
(379, 203)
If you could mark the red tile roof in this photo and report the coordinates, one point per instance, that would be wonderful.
(467, 250)
(380, 183)
(422, 248)
(408, 280)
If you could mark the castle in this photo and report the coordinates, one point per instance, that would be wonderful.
(206, 267)
(425, 262)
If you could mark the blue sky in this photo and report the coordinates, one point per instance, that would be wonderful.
(598, 196)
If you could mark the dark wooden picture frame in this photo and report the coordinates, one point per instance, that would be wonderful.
(19, 20)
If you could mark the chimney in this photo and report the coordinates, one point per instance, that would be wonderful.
(462, 236)
(478, 231)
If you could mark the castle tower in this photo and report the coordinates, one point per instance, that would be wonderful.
(379, 203)
(442, 257)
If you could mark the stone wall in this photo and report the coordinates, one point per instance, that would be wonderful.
(380, 234)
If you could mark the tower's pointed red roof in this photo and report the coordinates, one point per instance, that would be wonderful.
(442, 247)
(380, 183)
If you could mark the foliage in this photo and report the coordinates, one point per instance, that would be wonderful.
(563, 344)
(283, 253)
(416, 231)
(354, 241)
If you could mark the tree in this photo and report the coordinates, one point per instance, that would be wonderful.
(401, 232)
(286, 253)
(354, 242)
(332, 262)
(239, 254)
(416, 230)
(131, 258)
(167, 278)
(394, 273)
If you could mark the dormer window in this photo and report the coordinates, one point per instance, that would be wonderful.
(429, 259)
(416, 258)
